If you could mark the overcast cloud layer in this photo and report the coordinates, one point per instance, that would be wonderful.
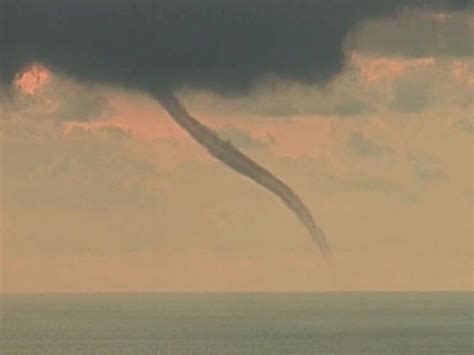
(225, 46)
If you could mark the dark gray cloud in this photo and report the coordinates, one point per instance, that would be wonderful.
(225, 46)
(85, 107)
(412, 95)
(350, 107)
(364, 146)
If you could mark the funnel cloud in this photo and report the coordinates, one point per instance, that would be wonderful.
(234, 159)
(160, 47)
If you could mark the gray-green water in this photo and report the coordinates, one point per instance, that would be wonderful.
(260, 323)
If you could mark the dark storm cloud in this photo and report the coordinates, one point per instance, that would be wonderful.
(159, 46)
(224, 46)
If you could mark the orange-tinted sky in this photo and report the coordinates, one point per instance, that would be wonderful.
(101, 191)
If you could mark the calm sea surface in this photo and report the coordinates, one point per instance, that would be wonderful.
(258, 323)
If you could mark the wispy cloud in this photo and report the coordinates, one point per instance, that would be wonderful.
(365, 147)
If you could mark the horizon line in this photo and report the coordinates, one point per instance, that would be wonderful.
(66, 292)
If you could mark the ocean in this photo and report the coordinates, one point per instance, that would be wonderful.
(237, 323)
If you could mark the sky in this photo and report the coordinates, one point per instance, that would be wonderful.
(102, 191)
